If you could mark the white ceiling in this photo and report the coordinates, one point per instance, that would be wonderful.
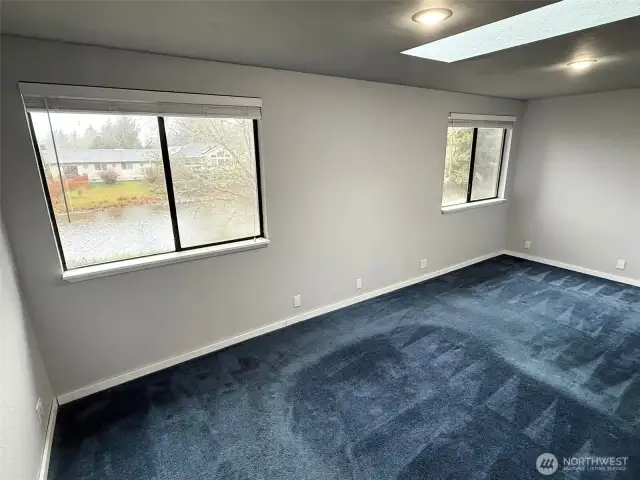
(353, 39)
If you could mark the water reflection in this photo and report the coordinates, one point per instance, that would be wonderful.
(119, 233)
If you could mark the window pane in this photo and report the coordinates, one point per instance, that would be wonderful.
(457, 162)
(213, 166)
(101, 213)
(487, 164)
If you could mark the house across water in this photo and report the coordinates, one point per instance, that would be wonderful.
(130, 163)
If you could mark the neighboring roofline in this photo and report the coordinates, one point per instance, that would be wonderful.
(101, 163)
(192, 150)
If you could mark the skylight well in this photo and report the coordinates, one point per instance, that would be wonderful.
(550, 21)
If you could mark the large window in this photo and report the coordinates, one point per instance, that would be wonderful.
(474, 159)
(157, 185)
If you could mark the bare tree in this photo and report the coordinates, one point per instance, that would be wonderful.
(223, 174)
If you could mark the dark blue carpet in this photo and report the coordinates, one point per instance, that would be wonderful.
(470, 375)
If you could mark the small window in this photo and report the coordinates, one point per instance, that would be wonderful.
(474, 158)
(224, 161)
(70, 170)
(169, 206)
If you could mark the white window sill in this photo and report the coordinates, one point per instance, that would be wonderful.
(469, 206)
(115, 268)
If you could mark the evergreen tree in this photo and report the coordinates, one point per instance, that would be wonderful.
(122, 133)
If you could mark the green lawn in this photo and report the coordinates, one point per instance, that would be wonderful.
(101, 195)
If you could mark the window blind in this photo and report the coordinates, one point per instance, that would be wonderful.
(481, 121)
(70, 98)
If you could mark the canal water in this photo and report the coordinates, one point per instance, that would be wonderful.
(126, 232)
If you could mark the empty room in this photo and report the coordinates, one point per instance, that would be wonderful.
(323, 240)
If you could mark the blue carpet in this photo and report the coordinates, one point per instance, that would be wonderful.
(470, 375)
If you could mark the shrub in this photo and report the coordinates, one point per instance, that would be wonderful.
(110, 176)
(76, 182)
(54, 189)
(154, 176)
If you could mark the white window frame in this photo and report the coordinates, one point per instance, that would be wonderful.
(506, 122)
(37, 96)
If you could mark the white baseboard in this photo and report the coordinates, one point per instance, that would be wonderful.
(48, 441)
(133, 374)
(575, 268)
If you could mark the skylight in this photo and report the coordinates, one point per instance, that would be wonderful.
(551, 21)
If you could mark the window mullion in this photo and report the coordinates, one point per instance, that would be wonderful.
(504, 141)
(472, 164)
(258, 176)
(169, 182)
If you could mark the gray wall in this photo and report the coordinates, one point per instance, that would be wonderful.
(353, 183)
(22, 377)
(576, 190)
(23, 380)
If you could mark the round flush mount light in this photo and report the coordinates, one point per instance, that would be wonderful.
(431, 16)
(580, 65)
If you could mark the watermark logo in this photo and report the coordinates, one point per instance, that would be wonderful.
(547, 464)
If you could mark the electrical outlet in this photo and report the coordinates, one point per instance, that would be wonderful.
(423, 263)
(621, 264)
(39, 411)
(358, 283)
(527, 244)
(296, 301)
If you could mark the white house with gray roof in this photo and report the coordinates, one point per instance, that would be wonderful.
(128, 163)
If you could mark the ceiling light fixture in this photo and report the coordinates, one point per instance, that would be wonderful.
(549, 21)
(580, 65)
(431, 16)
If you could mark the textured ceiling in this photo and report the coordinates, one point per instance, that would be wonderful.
(354, 39)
